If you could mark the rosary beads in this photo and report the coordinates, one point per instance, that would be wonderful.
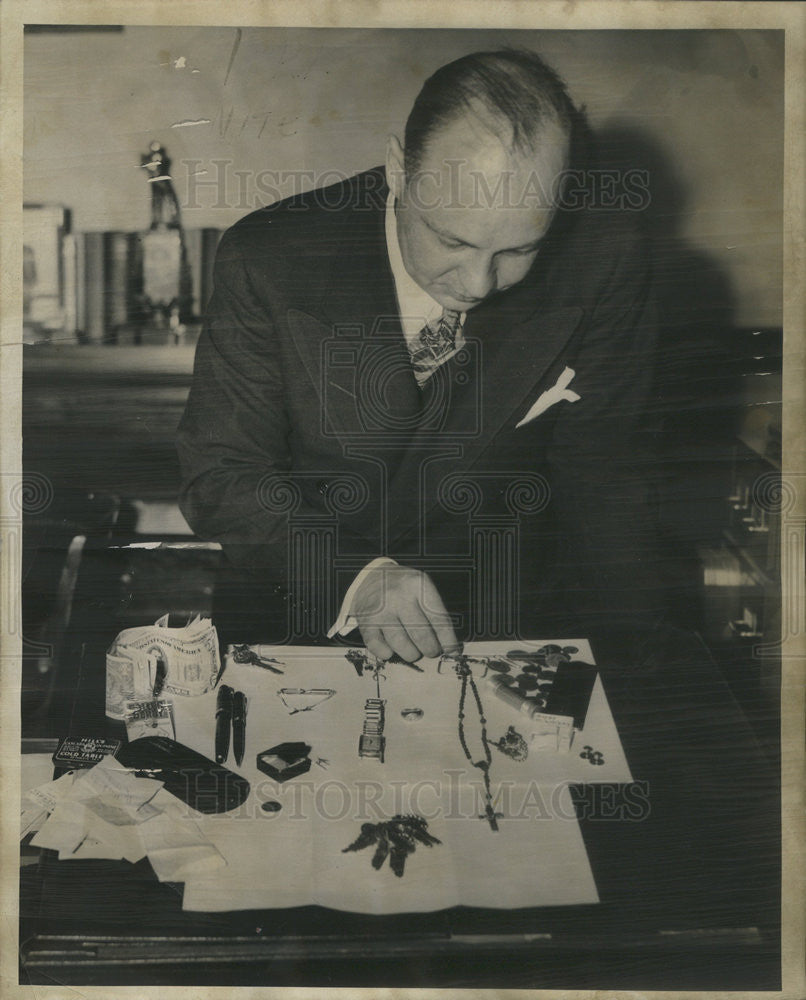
(461, 666)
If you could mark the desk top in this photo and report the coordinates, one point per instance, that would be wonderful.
(701, 866)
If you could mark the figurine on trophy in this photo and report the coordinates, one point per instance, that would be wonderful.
(166, 298)
(164, 203)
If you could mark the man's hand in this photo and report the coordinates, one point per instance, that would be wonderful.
(399, 610)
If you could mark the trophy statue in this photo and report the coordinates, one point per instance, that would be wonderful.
(167, 292)
(164, 203)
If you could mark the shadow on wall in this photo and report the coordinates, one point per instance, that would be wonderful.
(692, 419)
(698, 387)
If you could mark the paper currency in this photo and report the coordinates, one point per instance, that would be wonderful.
(154, 659)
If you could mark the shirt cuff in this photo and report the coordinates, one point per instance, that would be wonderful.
(346, 622)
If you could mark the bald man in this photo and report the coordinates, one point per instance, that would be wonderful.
(467, 347)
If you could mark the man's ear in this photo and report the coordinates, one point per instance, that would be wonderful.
(395, 172)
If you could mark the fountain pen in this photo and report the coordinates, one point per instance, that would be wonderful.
(239, 726)
(223, 719)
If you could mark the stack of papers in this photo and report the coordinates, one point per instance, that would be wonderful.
(107, 812)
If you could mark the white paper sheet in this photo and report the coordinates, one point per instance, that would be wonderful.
(178, 849)
(295, 856)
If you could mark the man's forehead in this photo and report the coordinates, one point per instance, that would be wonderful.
(466, 158)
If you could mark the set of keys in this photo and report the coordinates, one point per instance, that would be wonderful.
(395, 839)
(244, 654)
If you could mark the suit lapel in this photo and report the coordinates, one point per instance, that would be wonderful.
(508, 355)
(351, 342)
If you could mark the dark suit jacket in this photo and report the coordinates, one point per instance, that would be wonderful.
(302, 386)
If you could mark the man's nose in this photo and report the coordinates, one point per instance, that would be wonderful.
(479, 278)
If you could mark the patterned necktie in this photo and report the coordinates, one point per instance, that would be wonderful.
(433, 345)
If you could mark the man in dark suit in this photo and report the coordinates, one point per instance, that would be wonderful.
(430, 375)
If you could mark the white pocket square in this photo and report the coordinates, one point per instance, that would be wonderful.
(557, 392)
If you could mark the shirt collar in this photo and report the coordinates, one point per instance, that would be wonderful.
(415, 305)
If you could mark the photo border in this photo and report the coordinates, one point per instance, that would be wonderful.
(460, 14)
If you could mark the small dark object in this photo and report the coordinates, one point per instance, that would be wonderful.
(368, 835)
(394, 658)
(285, 761)
(498, 665)
(570, 650)
(419, 830)
(200, 782)
(239, 703)
(397, 859)
(359, 660)
(412, 714)
(382, 850)
(571, 691)
(83, 751)
(400, 837)
(159, 679)
(513, 745)
(271, 806)
(530, 656)
(243, 654)
(223, 722)
(395, 839)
